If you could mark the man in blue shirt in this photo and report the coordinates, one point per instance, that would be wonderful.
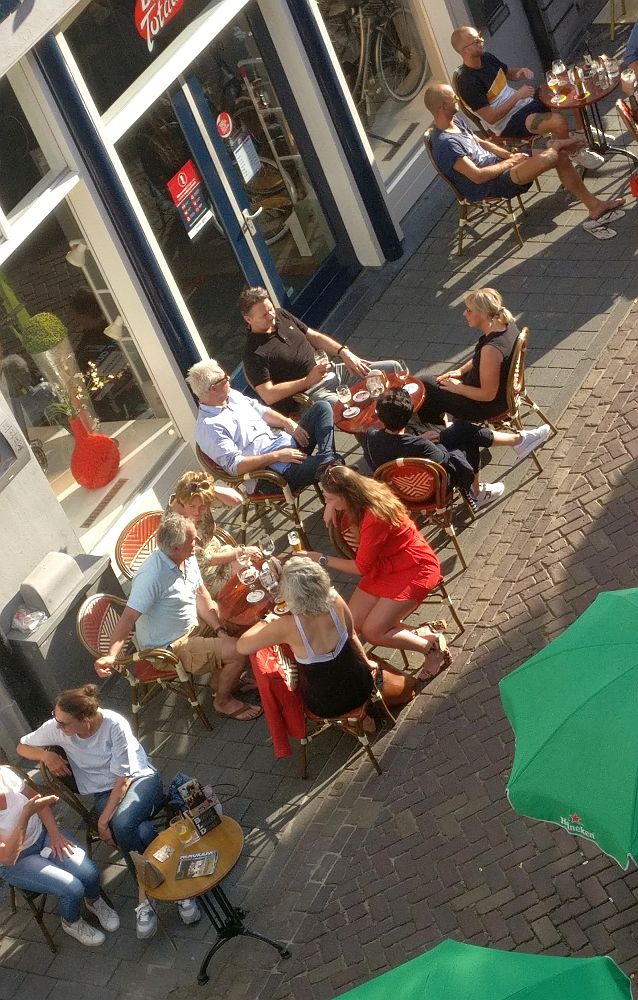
(480, 169)
(167, 601)
(244, 436)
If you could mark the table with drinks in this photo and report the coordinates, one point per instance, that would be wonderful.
(253, 591)
(221, 846)
(580, 88)
(355, 409)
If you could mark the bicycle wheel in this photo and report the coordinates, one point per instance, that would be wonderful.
(401, 62)
(272, 190)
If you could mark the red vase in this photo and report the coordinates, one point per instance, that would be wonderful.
(95, 459)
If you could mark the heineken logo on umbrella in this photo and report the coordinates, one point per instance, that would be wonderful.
(572, 824)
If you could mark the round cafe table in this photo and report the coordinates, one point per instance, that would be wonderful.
(228, 920)
(366, 419)
(236, 613)
(592, 119)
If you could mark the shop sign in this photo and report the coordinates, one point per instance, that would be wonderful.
(224, 125)
(188, 194)
(246, 156)
(153, 15)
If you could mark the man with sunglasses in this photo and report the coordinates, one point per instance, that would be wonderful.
(243, 436)
(483, 84)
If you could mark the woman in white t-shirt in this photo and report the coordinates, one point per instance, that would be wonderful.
(107, 761)
(35, 855)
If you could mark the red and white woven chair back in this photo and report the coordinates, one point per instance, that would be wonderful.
(96, 621)
(417, 482)
(137, 541)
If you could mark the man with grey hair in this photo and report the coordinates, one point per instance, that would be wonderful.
(166, 603)
(239, 434)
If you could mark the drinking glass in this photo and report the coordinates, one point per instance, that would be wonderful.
(267, 579)
(375, 382)
(628, 78)
(184, 829)
(343, 394)
(552, 83)
(249, 575)
(294, 541)
(558, 67)
(267, 546)
(243, 557)
(402, 371)
(612, 67)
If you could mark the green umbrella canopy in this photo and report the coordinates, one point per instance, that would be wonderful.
(456, 971)
(574, 711)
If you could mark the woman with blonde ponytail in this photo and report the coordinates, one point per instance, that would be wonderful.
(477, 390)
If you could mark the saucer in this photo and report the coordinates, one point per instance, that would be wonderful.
(361, 396)
(254, 596)
(350, 411)
(410, 387)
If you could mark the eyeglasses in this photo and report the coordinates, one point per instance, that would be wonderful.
(224, 378)
(477, 38)
(199, 487)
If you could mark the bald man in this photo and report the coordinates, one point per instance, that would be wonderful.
(483, 83)
(480, 169)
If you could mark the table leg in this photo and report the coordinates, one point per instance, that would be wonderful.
(228, 923)
(595, 134)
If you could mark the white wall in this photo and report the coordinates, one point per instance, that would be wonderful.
(20, 31)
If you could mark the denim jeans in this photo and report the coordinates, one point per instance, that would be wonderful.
(130, 823)
(70, 880)
(319, 424)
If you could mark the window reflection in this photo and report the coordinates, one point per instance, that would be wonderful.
(22, 162)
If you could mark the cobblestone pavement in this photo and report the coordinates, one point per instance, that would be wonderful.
(361, 872)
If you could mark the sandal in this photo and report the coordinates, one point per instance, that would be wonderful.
(602, 232)
(439, 646)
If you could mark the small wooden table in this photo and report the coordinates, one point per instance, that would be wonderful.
(237, 614)
(228, 840)
(592, 120)
(366, 419)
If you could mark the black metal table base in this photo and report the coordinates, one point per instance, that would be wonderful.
(595, 135)
(228, 921)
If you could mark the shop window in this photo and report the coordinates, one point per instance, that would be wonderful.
(22, 162)
(384, 59)
(488, 14)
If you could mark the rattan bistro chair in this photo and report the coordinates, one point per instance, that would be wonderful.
(346, 541)
(518, 399)
(139, 538)
(281, 497)
(626, 117)
(502, 208)
(154, 669)
(424, 489)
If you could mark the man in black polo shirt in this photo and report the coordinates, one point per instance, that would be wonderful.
(280, 355)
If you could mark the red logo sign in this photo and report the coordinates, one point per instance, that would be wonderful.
(574, 818)
(153, 15)
(184, 182)
(224, 125)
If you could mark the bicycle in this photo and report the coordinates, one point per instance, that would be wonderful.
(379, 49)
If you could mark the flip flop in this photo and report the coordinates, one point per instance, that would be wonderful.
(611, 215)
(238, 714)
(602, 233)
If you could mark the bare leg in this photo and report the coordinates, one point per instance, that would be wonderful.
(548, 123)
(555, 156)
(384, 626)
(361, 604)
(233, 665)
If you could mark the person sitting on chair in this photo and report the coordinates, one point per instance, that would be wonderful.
(194, 498)
(280, 356)
(397, 567)
(238, 433)
(166, 603)
(479, 169)
(108, 762)
(483, 83)
(457, 447)
(36, 856)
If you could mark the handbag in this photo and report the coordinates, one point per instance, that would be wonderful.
(396, 688)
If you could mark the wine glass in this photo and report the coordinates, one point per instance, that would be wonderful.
(402, 370)
(243, 557)
(558, 67)
(344, 394)
(553, 84)
(249, 577)
(267, 546)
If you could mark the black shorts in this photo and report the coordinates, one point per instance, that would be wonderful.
(504, 187)
(515, 128)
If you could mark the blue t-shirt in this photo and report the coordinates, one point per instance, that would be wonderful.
(631, 52)
(166, 598)
(448, 147)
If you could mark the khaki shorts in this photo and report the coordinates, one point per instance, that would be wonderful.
(198, 653)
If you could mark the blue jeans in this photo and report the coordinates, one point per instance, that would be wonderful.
(318, 422)
(130, 823)
(70, 880)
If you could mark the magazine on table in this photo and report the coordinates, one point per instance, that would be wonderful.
(196, 865)
(202, 805)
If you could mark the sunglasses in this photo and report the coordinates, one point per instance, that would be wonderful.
(477, 38)
(62, 725)
(224, 378)
(199, 487)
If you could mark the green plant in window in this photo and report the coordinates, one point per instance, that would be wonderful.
(42, 332)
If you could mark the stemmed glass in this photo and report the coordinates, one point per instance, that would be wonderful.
(249, 577)
(344, 395)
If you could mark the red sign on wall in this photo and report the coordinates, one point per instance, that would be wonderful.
(152, 15)
(186, 189)
(224, 125)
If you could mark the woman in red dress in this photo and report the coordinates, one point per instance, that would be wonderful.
(397, 567)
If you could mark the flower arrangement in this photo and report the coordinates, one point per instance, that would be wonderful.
(42, 332)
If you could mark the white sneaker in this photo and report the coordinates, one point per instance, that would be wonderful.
(84, 933)
(588, 159)
(189, 911)
(488, 493)
(146, 921)
(532, 440)
(108, 918)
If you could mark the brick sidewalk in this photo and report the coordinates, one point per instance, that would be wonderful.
(388, 867)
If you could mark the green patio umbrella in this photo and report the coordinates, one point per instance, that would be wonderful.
(456, 971)
(574, 711)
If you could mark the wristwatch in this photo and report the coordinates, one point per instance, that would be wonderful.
(323, 561)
